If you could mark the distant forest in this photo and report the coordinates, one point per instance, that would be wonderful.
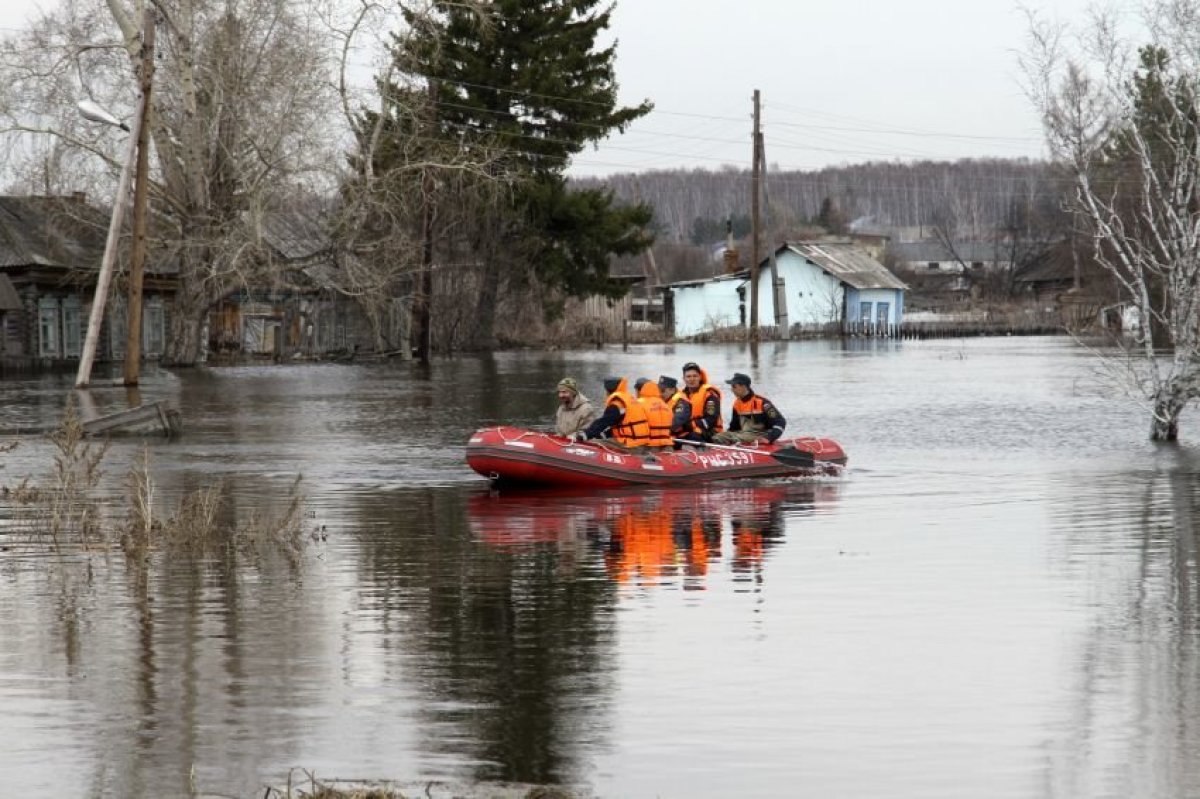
(973, 198)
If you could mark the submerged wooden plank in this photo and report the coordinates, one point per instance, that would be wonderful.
(155, 412)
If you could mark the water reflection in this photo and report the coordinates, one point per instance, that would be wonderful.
(670, 537)
(1004, 594)
(1136, 719)
(511, 654)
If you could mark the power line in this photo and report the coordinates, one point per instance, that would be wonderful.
(876, 125)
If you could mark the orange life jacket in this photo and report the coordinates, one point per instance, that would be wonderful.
(751, 413)
(658, 415)
(674, 400)
(634, 429)
(702, 397)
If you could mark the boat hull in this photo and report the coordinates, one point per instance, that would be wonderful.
(513, 455)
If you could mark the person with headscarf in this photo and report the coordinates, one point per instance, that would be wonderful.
(575, 411)
(658, 414)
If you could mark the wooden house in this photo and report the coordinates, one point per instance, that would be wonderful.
(302, 309)
(50, 254)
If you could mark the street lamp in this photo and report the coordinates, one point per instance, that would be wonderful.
(94, 113)
(96, 318)
(138, 148)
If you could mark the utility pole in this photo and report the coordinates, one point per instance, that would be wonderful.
(137, 256)
(756, 224)
(778, 294)
(96, 318)
(649, 266)
(424, 293)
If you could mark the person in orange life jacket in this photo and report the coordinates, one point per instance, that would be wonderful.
(623, 420)
(705, 400)
(681, 409)
(658, 414)
(754, 418)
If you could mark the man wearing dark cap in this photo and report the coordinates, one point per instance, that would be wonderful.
(681, 409)
(624, 419)
(705, 400)
(754, 418)
(575, 411)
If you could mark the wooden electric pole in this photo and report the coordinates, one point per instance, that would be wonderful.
(137, 256)
(96, 318)
(424, 294)
(755, 222)
(778, 292)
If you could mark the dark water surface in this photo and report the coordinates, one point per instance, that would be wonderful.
(997, 599)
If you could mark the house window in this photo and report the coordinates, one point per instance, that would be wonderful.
(882, 313)
(71, 317)
(864, 312)
(153, 333)
(935, 265)
(48, 328)
(977, 264)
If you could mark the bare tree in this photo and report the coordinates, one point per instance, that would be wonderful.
(240, 123)
(947, 230)
(1126, 125)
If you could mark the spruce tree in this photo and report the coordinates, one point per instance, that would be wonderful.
(527, 77)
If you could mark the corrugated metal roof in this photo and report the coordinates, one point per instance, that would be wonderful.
(9, 299)
(683, 284)
(847, 263)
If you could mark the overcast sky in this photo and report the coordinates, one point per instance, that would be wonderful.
(841, 82)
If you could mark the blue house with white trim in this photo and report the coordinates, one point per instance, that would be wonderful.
(828, 286)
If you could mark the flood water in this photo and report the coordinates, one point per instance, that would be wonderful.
(998, 598)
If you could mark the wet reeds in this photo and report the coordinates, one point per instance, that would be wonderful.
(70, 510)
(202, 521)
(62, 508)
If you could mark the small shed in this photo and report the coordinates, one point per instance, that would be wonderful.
(826, 286)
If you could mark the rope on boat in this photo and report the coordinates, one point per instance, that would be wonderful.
(814, 445)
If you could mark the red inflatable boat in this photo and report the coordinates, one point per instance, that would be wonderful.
(515, 455)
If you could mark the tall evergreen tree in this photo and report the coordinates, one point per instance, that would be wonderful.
(527, 77)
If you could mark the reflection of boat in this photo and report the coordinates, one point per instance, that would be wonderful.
(647, 536)
(515, 455)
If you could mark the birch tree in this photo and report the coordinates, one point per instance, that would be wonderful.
(1124, 122)
(243, 121)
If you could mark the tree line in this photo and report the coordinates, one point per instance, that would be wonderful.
(692, 205)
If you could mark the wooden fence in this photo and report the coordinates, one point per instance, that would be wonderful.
(1043, 325)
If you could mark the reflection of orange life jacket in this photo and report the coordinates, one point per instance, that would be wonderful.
(700, 398)
(658, 415)
(634, 429)
(751, 411)
(748, 548)
(647, 547)
(698, 555)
